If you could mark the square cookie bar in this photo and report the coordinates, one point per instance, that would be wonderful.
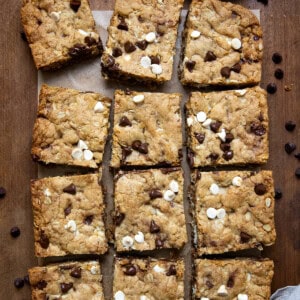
(145, 279)
(71, 127)
(149, 211)
(234, 210)
(222, 45)
(60, 32)
(141, 41)
(68, 281)
(68, 216)
(228, 127)
(147, 129)
(239, 279)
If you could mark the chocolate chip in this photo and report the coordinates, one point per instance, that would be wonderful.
(161, 29)
(209, 284)
(256, 38)
(225, 72)
(129, 47)
(215, 126)
(225, 147)
(142, 44)
(128, 92)
(260, 189)
(200, 137)
(123, 25)
(213, 156)
(265, 2)
(154, 228)
(75, 4)
(278, 74)
(260, 117)
(44, 240)
(130, 270)
(88, 220)
(136, 145)
(159, 243)
(78, 50)
(26, 279)
(19, 283)
(2, 192)
(230, 281)
(245, 237)
(271, 88)
(290, 125)
(143, 148)
(172, 271)
(119, 217)
(190, 157)
(65, 287)
(154, 59)
(90, 41)
(124, 121)
(210, 56)
(190, 65)
(257, 129)
(297, 173)
(289, 147)
(141, 19)
(277, 58)
(155, 194)
(116, 52)
(76, 272)
(15, 232)
(278, 193)
(68, 210)
(41, 285)
(23, 36)
(70, 189)
(297, 155)
(229, 137)
(228, 155)
(126, 151)
(236, 68)
(108, 61)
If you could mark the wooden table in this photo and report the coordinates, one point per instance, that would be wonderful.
(18, 81)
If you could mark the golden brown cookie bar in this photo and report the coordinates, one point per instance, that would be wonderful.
(71, 127)
(68, 216)
(147, 129)
(68, 281)
(145, 279)
(234, 210)
(141, 40)
(236, 279)
(228, 127)
(149, 211)
(222, 45)
(60, 32)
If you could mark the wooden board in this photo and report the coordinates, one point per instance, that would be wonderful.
(18, 82)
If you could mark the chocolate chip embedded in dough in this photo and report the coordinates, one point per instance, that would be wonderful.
(245, 237)
(190, 65)
(154, 228)
(75, 4)
(44, 240)
(129, 47)
(260, 189)
(76, 272)
(124, 121)
(142, 44)
(130, 270)
(225, 72)
(65, 287)
(116, 52)
(70, 189)
(210, 56)
(172, 271)
(200, 137)
(154, 194)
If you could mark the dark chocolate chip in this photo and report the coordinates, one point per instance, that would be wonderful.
(41, 285)
(44, 240)
(35, 157)
(271, 88)
(155, 194)
(228, 155)
(264, 2)
(215, 126)
(129, 47)
(119, 217)
(200, 137)
(15, 232)
(90, 41)
(70, 189)
(65, 287)
(126, 151)
(143, 148)
(256, 38)
(76, 272)
(136, 145)
(290, 125)
(190, 157)
(23, 36)
(128, 92)
(88, 220)
(116, 52)
(2, 192)
(123, 25)
(68, 210)
(289, 147)
(108, 61)
(198, 175)
(225, 72)
(214, 156)
(278, 193)
(260, 189)
(172, 271)
(154, 228)
(130, 270)
(190, 65)
(78, 50)
(124, 121)
(229, 137)
(209, 284)
(26, 279)
(210, 56)
(245, 237)
(257, 129)
(154, 59)
(159, 243)
(278, 74)
(297, 155)
(260, 117)
(142, 44)
(297, 173)
(230, 281)
(236, 68)
(19, 283)
(75, 4)
(277, 58)
(225, 147)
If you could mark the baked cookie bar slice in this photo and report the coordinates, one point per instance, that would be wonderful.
(222, 45)
(60, 32)
(234, 210)
(71, 127)
(68, 216)
(141, 41)
(149, 211)
(228, 127)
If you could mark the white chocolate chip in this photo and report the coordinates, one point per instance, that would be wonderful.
(267, 227)
(236, 44)
(237, 181)
(143, 297)
(241, 92)
(145, 61)
(248, 216)
(94, 270)
(71, 226)
(222, 135)
(77, 153)
(249, 276)
(158, 269)
(99, 107)
(119, 295)
(82, 145)
(156, 69)
(139, 237)
(214, 189)
(260, 47)
(221, 213)
(82, 32)
(201, 116)
(204, 298)
(211, 213)
(127, 241)
(242, 297)
(169, 195)
(88, 155)
(150, 37)
(268, 202)
(47, 193)
(207, 123)
(222, 291)
(138, 98)
(174, 186)
(189, 121)
(55, 15)
(127, 57)
(195, 34)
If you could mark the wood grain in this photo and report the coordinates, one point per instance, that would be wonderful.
(18, 82)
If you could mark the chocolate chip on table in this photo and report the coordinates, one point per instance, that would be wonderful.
(90, 41)
(65, 287)
(297, 172)
(119, 217)
(19, 283)
(75, 4)
(70, 189)
(124, 121)
(278, 74)
(129, 47)
(228, 155)
(245, 237)
(130, 270)
(142, 44)
(260, 189)
(236, 68)
(67, 210)
(26, 279)
(271, 88)
(76, 272)
(122, 25)
(154, 194)
(225, 72)
(215, 126)
(159, 243)
(15, 232)
(297, 155)
(290, 125)
(190, 65)
(289, 147)
(116, 52)
(278, 193)
(154, 228)
(210, 56)
(200, 137)
(88, 220)
(44, 240)
(277, 58)
(172, 271)
(2, 192)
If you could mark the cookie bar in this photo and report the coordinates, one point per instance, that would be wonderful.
(222, 45)
(60, 32)
(239, 279)
(68, 216)
(149, 214)
(147, 129)
(228, 127)
(71, 127)
(68, 281)
(234, 210)
(141, 41)
(148, 279)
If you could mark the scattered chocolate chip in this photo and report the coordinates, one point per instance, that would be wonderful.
(215, 126)
(289, 147)
(88, 220)
(213, 156)
(190, 157)
(256, 38)
(297, 155)
(108, 61)
(257, 129)
(123, 25)
(143, 148)
(2, 192)
(70, 189)
(142, 44)
(278, 193)
(44, 240)
(26, 279)
(126, 151)
(116, 52)
(136, 145)
(90, 41)
(297, 172)
(68, 210)
(210, 56)
(119, 217)
(277, 58)
(271, 88)
(290, 125)
(229, 137)
(172, 271)
(260, 189)
(159, 243)
(200, 137)
(154, 59)
(228, 155)
(245, 237)
(230, 281)
(41, 284)
(236, 68)
(23, 36)
(124, 121)
(78, 50)
(225, 72)
(19, 283)
(15, 232)
(209, 284)
(190, 65)
(154, 228)
(65, 287)
(76, 272)
(278, 74)
(75, 4)
(130, 270)
(129, 47)
(225, 147)
(155, 194)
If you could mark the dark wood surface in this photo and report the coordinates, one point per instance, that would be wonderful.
(18, 82)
